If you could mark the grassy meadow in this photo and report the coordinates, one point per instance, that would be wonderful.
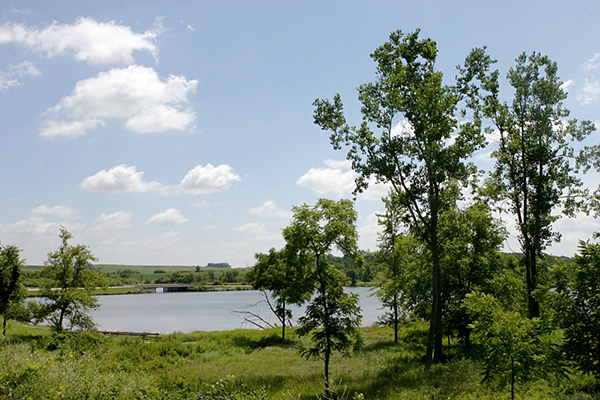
(243, 364)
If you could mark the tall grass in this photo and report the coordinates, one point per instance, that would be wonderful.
(242, 364)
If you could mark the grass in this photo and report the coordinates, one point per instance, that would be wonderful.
(37, 364)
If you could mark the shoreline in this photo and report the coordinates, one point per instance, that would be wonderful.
(137, 289)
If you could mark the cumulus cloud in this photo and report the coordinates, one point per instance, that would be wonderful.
(35, 224)
(135, 94)
(334, 180)
(208, 179)
(270, 209)
(86, 40)
(253, 228)
(120, 179)
(199, 180)
(590, 93)
(160, 118)
(338, 179)
(62, 212)
(112, 222)
(53, 129)
(567, 85)
(169, 217)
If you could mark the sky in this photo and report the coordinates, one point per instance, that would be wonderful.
(181, 133)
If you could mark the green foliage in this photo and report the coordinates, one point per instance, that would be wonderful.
(514, 349)
(332, 316)
(285, 276)
(576, 297)
(536, 163)
(410, 137)
(471, 240)
(68, 292)
(11, 289)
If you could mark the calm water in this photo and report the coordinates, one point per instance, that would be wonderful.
(198, 311)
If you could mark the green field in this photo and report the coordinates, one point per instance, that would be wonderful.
(245, 364)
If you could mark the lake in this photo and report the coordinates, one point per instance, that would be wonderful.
(199, 311)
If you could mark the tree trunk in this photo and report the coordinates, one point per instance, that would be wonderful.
(395, 318)
(59, 326)
(327, 388)
(4, 326)
(283, 324)
(531, 273)
(512, 380)
(434, 340)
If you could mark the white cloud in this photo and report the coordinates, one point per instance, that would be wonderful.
(63, 212)
(201, 204)
(155, 245)
(120, 179)
(209, 179)
(199, 180)
(169, 217)
(10, 79)
(53, 129)
(328, 181)
(592, 63)
(402, 128)
(368, 232)
(112, 222)
(160, 118)
(270, 209)
(35, 224)
(253, 228)
(86, 40)
(135, 94)
(338, 180)
(6, 83)
(590, 94)
(338, 164)
(567, 85)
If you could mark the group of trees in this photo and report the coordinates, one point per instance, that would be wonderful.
(440, 241)
(67, 291)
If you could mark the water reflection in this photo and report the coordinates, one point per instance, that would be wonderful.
(198, 311)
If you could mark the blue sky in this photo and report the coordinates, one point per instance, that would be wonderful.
(181, 132)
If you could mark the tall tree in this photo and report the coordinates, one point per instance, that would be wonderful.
(332, 316)
(68, 292)
(411, 139)
(536, 163)
(284, 275)
(11, 290)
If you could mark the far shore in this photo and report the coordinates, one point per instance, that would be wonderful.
(137, 289)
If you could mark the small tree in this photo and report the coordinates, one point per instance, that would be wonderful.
(11, 290)
(398, 253)
(514, 349)
(577, 300)
(471, 257)
(282, 274)
(68, 292)
(332, 316)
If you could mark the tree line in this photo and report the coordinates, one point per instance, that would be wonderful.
(441, 234)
